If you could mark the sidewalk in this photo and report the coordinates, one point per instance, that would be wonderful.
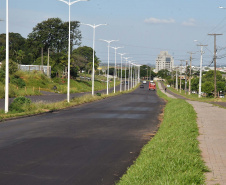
(212, 128)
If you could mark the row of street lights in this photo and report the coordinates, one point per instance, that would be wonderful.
(69, 3)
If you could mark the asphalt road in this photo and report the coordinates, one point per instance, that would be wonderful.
(91, 144)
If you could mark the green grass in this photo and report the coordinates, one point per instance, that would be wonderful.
(195, 96)
(172, 157)
(36, 82)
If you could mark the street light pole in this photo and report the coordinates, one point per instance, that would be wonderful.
(7, 60)
(121, 71)
(48, 74)
(138, 73)
(185, 86)
(176, 80)
(69, 45)
(130, 75)
(108, 41)
(115, 48)
(125, 70)
(94, 28)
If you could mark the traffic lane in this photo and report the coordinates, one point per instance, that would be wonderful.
(73, 147)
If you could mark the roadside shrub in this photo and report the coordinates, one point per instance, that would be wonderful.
(18, 81)
(2, 76)
(13, 66)
(20, 104)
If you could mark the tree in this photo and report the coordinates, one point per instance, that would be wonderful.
(16, 43)
(13, 66)
(86, 58)
(163, 73)
(195, 84)
(20, 56)
(208, 88)
(220, 86)
(146, 70)
(53, 33)
(209, 76)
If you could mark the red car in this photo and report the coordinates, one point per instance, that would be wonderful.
(152, 85)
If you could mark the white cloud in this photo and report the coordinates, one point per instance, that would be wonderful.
(190, 22)
(153, 20)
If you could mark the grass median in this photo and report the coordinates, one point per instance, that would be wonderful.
(172, 156)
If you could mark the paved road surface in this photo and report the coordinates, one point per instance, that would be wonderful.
(89, 144)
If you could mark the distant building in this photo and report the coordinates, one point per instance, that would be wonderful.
(164, 61)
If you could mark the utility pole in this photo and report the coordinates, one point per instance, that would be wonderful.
(200, 73)
(180, 73)
(189, 91)
(176, 79)
(150, 73)
(48, 72)
(42, 60)
(185, 84)
(215, 62)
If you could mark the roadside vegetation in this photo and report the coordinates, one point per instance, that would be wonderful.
(195, 96)
(32, 83)
(173, 155)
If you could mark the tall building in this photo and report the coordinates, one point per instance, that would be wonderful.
(164, 61)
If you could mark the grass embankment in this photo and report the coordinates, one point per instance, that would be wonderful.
(172, 156)
(195, 96)
(31, 83)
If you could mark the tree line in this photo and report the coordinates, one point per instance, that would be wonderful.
(50, 35)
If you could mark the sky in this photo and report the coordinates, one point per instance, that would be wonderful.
(143, 28)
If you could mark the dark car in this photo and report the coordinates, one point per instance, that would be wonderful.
(141, 86)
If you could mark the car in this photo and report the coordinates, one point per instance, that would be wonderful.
(144, 82)
(141, 86)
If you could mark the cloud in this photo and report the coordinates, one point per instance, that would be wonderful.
(153, 20)
(190, 22)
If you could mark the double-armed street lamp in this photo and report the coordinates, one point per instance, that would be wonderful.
(137, 74)
(115, 48)
(7, 60)
(69, 3)
(109, 42)
(121, 71)
(126, 58)
(130, 74)
(94, 28)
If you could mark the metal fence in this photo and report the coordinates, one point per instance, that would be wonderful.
(45, 69)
